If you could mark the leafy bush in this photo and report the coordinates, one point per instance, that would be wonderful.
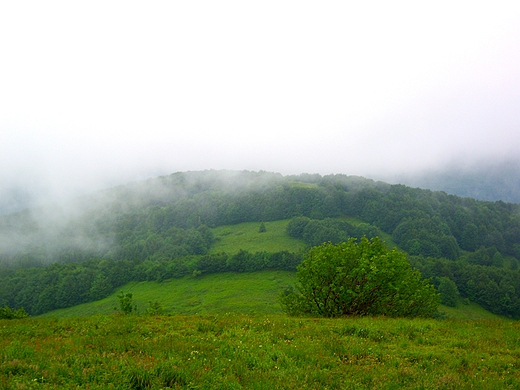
(154, 308)
(6, 313)
(362, 278)
(125, 303)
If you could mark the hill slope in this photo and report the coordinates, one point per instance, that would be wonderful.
(241, 293)
(169, 227)
(245, 293)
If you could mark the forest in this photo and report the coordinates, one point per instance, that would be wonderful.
(61, 255)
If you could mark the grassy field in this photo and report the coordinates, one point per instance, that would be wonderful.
(245, 293)
(233, 351)
(232, 238)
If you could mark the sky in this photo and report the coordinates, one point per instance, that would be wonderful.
(99, 93)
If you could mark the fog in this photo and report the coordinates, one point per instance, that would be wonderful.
(98, 94)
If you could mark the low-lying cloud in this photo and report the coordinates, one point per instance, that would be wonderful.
(100, 94)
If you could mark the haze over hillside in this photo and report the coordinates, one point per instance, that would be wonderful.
(289, 87)
(488, 180)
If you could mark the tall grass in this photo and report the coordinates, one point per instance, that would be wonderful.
(234, 351)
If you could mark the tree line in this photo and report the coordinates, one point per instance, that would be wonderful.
(494, 288)
(315, 232)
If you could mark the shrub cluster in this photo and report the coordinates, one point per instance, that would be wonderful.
(359, 278)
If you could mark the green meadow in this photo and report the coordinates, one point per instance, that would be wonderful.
(236, 351)
(244, 293)
(246, 236)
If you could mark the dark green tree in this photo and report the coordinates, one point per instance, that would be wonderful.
(359, 278)
(297, 225)
(449, 291)
(100, 288)
(497, 260)
(262, 228)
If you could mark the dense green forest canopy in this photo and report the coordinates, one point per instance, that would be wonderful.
(69, 253)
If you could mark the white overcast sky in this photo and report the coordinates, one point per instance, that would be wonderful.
(106, 91)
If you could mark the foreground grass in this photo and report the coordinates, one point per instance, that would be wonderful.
(258, 352)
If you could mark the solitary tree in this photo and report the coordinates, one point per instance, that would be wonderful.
(359, 278)
(125, 303)
(449, 291)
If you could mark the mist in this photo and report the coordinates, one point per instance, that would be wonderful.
(79, 227)
(97, 95)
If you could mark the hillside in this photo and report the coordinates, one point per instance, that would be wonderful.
(242, 293)
(207, 222)
(251, 293)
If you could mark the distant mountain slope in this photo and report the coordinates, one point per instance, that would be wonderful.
(487, 181)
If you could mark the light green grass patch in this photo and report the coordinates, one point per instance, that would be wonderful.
(246, 236)
(300, 184)
(246, 293)
(466, 310)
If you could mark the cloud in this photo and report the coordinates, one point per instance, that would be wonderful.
(100, 93)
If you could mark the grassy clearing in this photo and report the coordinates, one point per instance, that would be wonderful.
(245, 293)
(258, 352)
(301, 184)
(232, 238)
(466, 310)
